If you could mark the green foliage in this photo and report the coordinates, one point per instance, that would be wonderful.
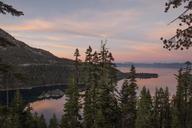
(144, 110)
(38, 121)
(128, 101)
(162, 110)
(101, 107)
(53, 123)
(90, 104)
(71, 117)
(183, 98)
(17, 115)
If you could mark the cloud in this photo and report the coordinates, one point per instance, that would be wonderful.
(133, 27)
(98, 24)
(161, 30)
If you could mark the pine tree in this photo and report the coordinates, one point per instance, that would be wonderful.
(174, 114)
(107, 101)
(53, 123)
(128, 100)
(77, 63)
(71, 117)
(183, 100)
(42, 123)
(17, 111)
(144, 110)
(18, 115)
(162, 112)
(89, 110)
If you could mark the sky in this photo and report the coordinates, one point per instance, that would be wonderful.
(132, 28)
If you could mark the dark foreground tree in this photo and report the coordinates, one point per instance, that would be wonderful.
(128, 101)
(161, 111)
(5, 8)
(90, 81)
(183, 98)
(144, 110)
(101, 108)
(71, 117)
(183, 38)
(106, 100)
(53, 123)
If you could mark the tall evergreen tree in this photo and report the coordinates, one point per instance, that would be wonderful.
(77, 64)
(89, 104)
(18, 115)
(42, 123)
(107, 101)
(71, 117)
(53, 123)
(128, 100)
(100, 107)
(183, 97)
(144, 110)
(174, 114)
(162, 112)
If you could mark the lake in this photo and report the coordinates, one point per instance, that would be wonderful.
(166, 78)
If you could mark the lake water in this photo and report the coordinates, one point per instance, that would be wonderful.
(166, 78)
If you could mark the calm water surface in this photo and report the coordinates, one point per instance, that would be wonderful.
(166, 78)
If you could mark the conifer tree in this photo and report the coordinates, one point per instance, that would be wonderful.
(174, 114)
(71, 117)
(42, 123)
(16, 111)
(77, 64)
(144, 110)
(162, 112)
(53, 123)
(183, 97)
(18, 114)
(89, 113)
(128, 100)
(107, 101)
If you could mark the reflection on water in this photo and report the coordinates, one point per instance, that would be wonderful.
(166, 78)
(49, 106)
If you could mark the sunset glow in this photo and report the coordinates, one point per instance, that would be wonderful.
(133, 28)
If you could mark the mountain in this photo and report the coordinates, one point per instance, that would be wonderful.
(31, 67)
(38, 67)
(13, 51)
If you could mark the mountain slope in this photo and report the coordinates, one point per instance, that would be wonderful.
(39, 67)
(36, 66)
(13, 51)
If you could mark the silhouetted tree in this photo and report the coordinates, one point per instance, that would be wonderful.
(5, 8)
(107, 100)
(128, 100)
(162, 111)
(144, 110)
(89, 104)
(71, 117)
(53, 123)
(183, 38)
(183, 99)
